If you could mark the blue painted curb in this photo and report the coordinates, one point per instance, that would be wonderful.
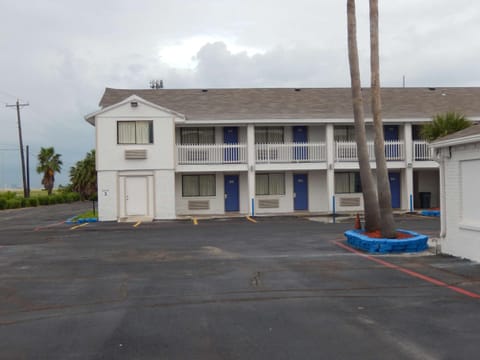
(430, 212)
(417, 242)
(80, 221)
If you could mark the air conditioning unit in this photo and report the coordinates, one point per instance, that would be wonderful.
(137, 154)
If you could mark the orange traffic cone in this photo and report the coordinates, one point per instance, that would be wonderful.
(358, 224)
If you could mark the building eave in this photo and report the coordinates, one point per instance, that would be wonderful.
(90, 118)
(459, 141)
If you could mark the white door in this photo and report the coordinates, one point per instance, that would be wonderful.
(136, 196)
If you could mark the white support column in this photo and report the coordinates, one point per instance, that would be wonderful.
(330, 147)
(409, 156)
(251, 168)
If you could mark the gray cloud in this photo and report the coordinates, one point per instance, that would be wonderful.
(60, 56)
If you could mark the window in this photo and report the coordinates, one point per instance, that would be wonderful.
(196, 136)
(347, 182)
(135, 132)
(344, 133)
(270, 184)
(198, 185)
(268, 135)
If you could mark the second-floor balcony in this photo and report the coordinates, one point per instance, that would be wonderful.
(347, 150)
(290, 153)
(344, 151)
(422, 150)
(207, 154)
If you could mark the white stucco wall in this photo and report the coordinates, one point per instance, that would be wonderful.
(462, 210)
(112, 166)
(317, 191)
(160, 154)
(164, 195)
(107, 195)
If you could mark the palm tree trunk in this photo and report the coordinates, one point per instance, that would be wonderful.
(372, 213)
(387, 224)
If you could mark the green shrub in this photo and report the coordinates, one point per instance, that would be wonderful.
(8, 195)
(72, 197)
(14, 203)
(33, 202)
(43, 200)
(3, 203)
(59, 198)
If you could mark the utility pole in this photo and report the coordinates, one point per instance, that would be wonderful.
(22, 155)
(28, 170)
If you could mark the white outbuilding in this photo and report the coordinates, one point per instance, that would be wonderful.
(459, 158)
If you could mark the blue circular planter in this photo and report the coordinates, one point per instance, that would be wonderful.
(417, 242)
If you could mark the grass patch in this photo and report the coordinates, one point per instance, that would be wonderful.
(86, 215)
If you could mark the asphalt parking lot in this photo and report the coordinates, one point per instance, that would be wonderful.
(277, 288)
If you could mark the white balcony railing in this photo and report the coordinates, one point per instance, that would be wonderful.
(212, 154)
(347, 150)
(422, 150)
(290, 152)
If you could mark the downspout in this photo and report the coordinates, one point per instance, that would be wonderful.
(443, 201)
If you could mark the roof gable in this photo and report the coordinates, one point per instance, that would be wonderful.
(129, 100)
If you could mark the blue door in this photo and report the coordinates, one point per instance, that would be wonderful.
(300, 136)
(231, 193)
(394, 179)
(390, 133)
(230, 137)
(300, 192)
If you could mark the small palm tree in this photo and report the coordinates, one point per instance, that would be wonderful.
(83, 176)
(49, 163)
(444, 124)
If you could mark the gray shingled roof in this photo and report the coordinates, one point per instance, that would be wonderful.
(304, 103)
(470, 131)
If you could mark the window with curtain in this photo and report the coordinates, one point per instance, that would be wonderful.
(198, 185)
(269, 135)
(270, 184)
(196, 136)
(344, 133)
(347, 182)
(135, 132)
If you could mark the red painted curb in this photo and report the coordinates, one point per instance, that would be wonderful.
(409, 272)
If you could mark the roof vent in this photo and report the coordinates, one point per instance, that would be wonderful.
(432, 89)
(297, 89)
(204, 90)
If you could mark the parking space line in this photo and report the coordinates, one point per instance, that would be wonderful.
(195, 221)
(78, 226)
(251, 220)
(137, 224)
(409, 272)
(48, 226)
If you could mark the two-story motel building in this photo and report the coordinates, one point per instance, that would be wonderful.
(165, 153)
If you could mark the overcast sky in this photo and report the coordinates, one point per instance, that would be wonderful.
(59, 55)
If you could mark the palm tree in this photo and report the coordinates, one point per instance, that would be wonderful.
(372, 212)
(444, 124)
(387, 224)
(83, 176)
(49, 163)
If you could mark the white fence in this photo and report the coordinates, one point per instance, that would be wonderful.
(293, 152)
(212, 154)
(347, 150)
(421, 150)
(290, 152)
